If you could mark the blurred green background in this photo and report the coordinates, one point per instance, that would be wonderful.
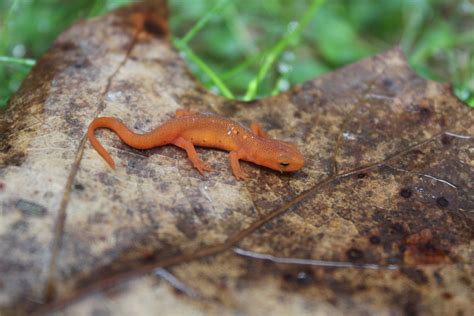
(248, 49)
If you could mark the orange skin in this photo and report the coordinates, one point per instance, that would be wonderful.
(191, 128)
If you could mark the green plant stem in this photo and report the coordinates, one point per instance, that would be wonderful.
(465, 38)
(243, 65)
(6, 27)
(18, 61)
(276, 51)
(204, 67)
(415, 16)
(203, 21)
(182, 44)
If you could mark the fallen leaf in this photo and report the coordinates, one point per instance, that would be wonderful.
(380, 220)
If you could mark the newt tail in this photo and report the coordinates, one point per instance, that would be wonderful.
(139, 141)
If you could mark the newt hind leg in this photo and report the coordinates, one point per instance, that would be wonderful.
(192, 154)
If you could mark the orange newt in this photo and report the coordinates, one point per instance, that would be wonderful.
(190, 128)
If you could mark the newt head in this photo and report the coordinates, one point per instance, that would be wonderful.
(278, 155)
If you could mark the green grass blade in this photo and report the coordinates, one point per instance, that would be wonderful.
(275, 52)
(4, 29)
(203, 21)
(17, 61)
(465, 38)
(204, 67)
(415, 13)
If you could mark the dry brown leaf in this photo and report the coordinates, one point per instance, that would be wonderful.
(380, 220)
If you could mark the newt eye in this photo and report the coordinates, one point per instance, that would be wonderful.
(284, 164)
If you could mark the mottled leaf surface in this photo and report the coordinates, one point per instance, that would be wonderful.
(380, 220)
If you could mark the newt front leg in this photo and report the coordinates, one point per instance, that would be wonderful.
(192, 154)
(235, 165)
(258, 130)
